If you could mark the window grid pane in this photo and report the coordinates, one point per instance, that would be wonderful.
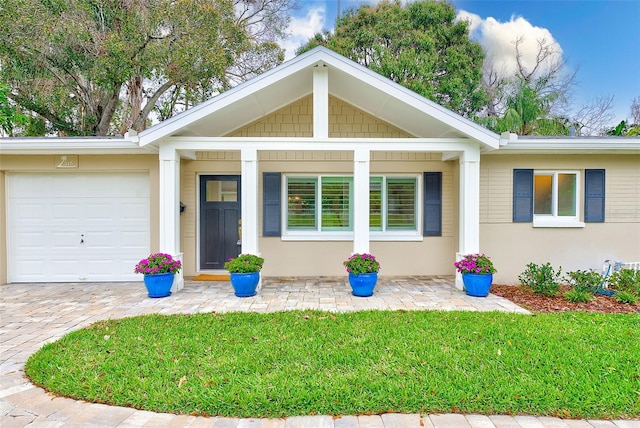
(567, 195)
(336, 203)
(375, 203)
(543, 194)
(301, 205)
(401, 203)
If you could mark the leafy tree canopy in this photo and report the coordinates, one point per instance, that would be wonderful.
(99, 67)
(418, 45)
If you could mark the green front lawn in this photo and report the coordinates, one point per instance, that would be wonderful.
(578, 365)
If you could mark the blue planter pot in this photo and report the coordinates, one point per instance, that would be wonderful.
(362, 285)
(477, 284)
(159, 285)
(244, 284)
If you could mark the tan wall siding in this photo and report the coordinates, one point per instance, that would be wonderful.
(495, 193)
(622, 200)
(513, 245)
(622, 196)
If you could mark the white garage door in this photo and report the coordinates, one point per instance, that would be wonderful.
(70, 227)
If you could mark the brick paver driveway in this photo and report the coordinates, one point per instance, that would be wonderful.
(34, 314)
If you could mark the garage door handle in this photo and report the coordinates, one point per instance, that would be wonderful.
(82, 239)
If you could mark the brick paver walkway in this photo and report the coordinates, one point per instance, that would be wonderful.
(34, 314)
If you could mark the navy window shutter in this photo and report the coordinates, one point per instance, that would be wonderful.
(432, 216)
(271, 209)
(522, 195)
(594, 185)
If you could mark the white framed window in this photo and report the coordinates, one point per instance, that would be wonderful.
(555, 199)
(319, 204)
(321, 207)
(393, 204)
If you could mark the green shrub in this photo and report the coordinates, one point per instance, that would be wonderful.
(584, 280)
(541, 279)
(578, 296)
(626, 297)
(626, 280)
(244, 263)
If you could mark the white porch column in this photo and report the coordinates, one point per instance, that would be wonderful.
(469, 232)
(170, 208)
(321, 101)
(249, 201)
(361, 200)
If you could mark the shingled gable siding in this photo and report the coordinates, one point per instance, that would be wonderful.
(296, 120)
(346, 121)
(293, 120)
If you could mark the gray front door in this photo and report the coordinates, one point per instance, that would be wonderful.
(219, 219)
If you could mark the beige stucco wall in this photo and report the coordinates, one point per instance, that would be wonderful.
(513, 245)
(86, 163)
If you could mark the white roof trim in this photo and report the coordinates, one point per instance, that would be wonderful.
(320, 54)
(559, 145)
(72, 145)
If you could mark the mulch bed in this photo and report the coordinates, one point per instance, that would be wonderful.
(557, 303)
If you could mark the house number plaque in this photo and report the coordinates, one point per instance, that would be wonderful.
(67, 162)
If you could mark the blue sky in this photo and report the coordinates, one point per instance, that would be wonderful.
(600, 37)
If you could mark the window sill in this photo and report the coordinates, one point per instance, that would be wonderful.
(317, 237)
(548, 222)
(386, 237)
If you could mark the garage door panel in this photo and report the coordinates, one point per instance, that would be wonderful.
(50, 214)
(29, 212)
(64, 241)
(35, 269)
(131, 240)
(31, 241)
(66, 213)
(134, 211)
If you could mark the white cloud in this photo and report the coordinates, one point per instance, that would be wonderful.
(499, 40)
(302, 28)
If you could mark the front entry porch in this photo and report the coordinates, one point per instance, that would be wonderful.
(334, 294)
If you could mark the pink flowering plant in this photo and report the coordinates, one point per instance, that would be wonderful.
(361, 263)
(475, 263)
(244, 263)
(158, 263)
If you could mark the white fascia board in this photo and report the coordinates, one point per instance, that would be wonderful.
(227, 98)
(576, 145)
(313, 144)
(57, 145)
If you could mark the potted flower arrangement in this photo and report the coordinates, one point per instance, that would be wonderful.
(159, 270)
(244, 272)
(363, 273)
(477, 274)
